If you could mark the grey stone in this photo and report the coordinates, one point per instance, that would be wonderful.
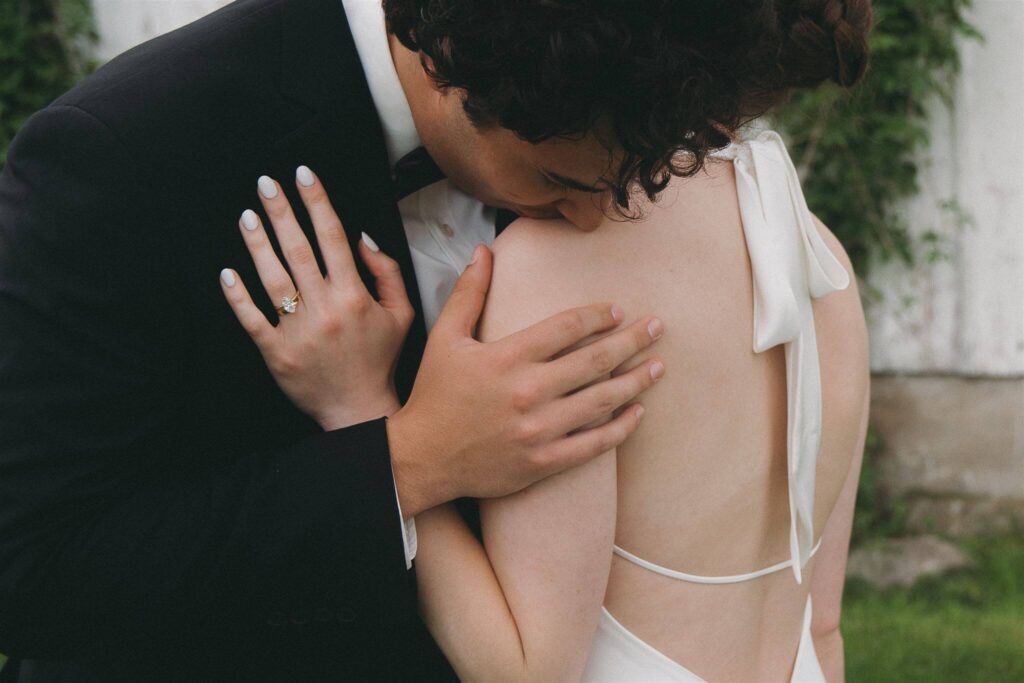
(964, 516)
(950, 436)
(901, 561)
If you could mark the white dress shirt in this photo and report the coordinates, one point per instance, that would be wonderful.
(442, 223)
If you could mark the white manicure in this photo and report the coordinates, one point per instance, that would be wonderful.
(228, 277)
(249, 219)
(268, 188)
(368, 241)
(304, 176)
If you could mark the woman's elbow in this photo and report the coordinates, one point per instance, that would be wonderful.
(829, 649)
(825, 621)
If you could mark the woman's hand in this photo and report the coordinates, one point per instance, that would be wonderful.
(335, 354)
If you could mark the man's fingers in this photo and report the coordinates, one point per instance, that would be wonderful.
(583, 446)
(587, 364)
(252, 320)
(549, 337)
(388, 275)
(330, 233)
(466, 303)
(602, 399)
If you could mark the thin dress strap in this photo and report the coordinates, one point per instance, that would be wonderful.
(694, 578)
(790, 265)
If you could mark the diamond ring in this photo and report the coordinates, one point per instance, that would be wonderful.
(289, 304)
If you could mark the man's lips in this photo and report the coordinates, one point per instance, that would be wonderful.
(533, 213)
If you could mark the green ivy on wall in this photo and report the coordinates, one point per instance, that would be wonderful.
(44, 48)
(858, 152)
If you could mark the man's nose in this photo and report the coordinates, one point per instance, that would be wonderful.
(586, 213)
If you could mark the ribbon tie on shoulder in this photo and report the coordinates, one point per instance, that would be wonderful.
(790, 264)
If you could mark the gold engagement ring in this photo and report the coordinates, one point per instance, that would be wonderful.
(289, 304)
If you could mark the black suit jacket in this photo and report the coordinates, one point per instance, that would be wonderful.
(165, 511)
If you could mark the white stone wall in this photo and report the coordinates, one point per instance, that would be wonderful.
(965, 315)
(961, 316)
(125, 23)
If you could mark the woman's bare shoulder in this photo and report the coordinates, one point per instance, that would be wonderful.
(540, 268)
(839, 321)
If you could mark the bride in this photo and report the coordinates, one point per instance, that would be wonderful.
(711, 545)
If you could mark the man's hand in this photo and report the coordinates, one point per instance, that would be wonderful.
(486, 420)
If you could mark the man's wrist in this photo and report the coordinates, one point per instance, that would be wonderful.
(386, 406)
(419, 488)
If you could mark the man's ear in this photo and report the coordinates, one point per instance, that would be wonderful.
(428, 68)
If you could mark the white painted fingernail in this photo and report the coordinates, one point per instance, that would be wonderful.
(249, 219)
(268, 188)
(228, 277)
(304, 176)
(368, 241)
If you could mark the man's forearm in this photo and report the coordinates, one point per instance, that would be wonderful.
(313, 527)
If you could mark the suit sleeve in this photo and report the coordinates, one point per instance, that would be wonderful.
(113, 533)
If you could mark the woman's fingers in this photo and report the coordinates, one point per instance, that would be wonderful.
(294, 245)
(598, 358)
(276, 280)
(330, 233)
(252, 320)
(333, 244)
(390, 286)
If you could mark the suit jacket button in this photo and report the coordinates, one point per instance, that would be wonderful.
(345, 615)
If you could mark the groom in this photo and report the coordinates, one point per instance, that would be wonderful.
(165, 512)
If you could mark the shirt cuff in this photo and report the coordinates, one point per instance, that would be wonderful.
(408, 529)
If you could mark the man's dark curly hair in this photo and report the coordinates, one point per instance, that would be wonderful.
(650, 78)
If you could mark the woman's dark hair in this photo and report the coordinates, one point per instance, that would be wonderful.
(658, 76)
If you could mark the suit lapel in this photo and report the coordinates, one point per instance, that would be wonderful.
(343, 142)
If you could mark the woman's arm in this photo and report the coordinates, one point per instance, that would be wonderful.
(843, 345)
(525, 609)
(830, 572)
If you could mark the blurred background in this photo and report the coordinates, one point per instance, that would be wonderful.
(921, 174)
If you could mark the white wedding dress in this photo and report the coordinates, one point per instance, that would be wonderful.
(790, 265)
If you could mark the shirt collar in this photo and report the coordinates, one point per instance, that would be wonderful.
(366, 21)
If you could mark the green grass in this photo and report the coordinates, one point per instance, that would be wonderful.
(967, 626)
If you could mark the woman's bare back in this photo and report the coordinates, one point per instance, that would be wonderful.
(702, 485)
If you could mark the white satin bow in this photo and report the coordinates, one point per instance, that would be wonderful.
(791, 264)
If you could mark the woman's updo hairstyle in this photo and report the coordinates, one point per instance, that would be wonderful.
(661, 82)
(824, 40)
